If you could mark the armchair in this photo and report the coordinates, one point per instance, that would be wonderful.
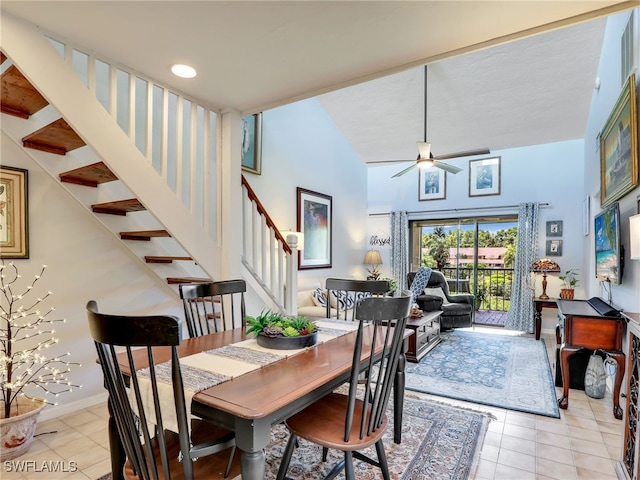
(457, 310)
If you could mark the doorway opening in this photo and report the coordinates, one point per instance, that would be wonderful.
(476, 255)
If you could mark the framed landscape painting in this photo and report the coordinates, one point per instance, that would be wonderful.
(14, 213)
(252, 143)
(484, 177)
(432, 184)
(619, 147)
(314, 212)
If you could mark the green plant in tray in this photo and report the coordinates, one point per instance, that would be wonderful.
(271, 324)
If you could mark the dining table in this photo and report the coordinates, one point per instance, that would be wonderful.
(251, 403)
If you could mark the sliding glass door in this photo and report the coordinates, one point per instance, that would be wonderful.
(475, 254)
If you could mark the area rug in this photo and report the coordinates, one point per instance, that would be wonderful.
(510, 372)
(439, 442)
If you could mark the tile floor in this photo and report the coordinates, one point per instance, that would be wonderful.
(585, 443)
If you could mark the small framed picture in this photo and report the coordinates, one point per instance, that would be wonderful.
(14, 213)
(586, 215)
(554, 228)
(554, 248)
(252, 143)
(484, 177)
(432, 184)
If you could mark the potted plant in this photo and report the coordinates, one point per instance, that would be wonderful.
(569, 280)
(393, 286)
(25, 333)
(273, 330)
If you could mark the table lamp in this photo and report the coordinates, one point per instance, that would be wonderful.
(373, 258)
(544, 266)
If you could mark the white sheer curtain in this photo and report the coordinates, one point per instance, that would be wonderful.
(399, 248)
(520, 314)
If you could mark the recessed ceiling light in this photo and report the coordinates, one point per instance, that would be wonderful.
(184, 71)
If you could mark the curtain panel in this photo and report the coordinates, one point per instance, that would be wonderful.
(399, 248)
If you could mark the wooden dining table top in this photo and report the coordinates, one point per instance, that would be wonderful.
(262, 392)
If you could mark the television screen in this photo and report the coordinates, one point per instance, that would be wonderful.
(607, 243)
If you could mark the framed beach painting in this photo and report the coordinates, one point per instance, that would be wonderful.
(484, 177)
(619, 147)
(432, 184)
(252, 143)
(314, 212)
(14, 213)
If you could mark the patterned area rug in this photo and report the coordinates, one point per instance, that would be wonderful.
(498, 370)
(439, 442)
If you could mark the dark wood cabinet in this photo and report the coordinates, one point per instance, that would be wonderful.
(426, 335)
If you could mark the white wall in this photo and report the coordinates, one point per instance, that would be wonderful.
(302, 147)
(627, 294)
(84, 262)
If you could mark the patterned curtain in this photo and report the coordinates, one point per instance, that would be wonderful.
(520, 314)
(399, 248)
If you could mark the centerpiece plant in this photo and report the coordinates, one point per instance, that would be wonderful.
(26, 333)
(272, 324)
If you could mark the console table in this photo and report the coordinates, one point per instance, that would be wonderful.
(426, 335)
(539, 304)
(584, 327)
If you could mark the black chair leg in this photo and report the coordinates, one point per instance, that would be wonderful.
(325, 452)
(348, 466)
(382, 460)
(286, 457)
(230, 462)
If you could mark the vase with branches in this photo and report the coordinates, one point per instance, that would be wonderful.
(26, 333)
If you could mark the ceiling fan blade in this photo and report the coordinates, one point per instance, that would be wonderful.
(375, 163)
(467, 153)
(446, 167)
(402, 172)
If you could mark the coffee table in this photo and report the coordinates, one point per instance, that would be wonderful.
(426, 335)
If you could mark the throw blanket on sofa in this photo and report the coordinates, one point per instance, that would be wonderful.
(420, 282)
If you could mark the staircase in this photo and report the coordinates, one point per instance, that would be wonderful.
(149, 175)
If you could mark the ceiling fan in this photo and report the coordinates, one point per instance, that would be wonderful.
(425, 157)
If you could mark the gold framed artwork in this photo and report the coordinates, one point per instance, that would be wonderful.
(484, 177)
(14, 213)
(432, 184)
(252, 143)
(619, 147)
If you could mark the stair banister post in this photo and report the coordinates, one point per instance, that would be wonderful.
(291, 292)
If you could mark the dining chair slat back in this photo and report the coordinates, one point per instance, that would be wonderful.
(213, 307)
(152, 452)
(343, 293)
(355, 421)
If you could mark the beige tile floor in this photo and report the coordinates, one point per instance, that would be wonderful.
(585, 443)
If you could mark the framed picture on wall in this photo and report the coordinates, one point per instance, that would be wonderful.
(314, 212)
(484, 177)
(432, 184)
(554, 248)
(554, 228)
(619, 147)
(252, 143)
(14, 213)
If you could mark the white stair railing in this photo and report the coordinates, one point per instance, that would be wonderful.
(271, 259)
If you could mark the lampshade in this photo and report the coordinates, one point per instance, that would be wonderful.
(544, 265)
(372, 257)
(300, 236)
(634, 237)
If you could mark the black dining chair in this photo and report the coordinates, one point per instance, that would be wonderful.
(152, 451)
(342, 295)
(353, 422)
(213, 307)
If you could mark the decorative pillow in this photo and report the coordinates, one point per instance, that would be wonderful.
(319, 297)
(437, 291)
(420, 281)
(341, 298)
(361, 295)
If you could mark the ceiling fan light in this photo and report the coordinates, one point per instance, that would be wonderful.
(425, 149)
(425, 163)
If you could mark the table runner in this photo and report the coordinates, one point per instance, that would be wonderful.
(209, 368)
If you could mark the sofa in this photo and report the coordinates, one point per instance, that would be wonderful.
(457, 310)
(310, 306)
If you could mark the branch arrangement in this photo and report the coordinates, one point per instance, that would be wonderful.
(25, 335)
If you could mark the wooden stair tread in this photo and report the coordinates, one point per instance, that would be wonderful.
(176, 280)
(89, 175)
(119, 207)
(164, 258)
(144, 235)
(57, 137)
(19, 97)
(3, 57)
